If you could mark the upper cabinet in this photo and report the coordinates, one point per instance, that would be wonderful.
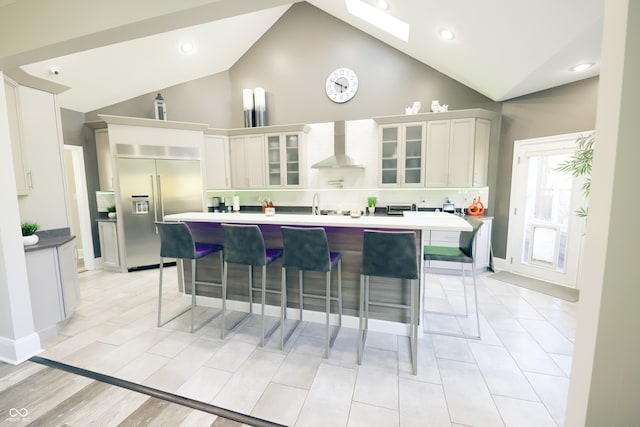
(457, 152)
(20, 166)
(105, 171)
(247, 161)
(448, 149)
(216, 161)
(267, 157)
(402, 154)
(283, 160)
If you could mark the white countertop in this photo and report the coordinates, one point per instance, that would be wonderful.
(410, 221)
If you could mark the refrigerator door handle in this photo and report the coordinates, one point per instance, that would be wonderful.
(160, 201)
(154, 200)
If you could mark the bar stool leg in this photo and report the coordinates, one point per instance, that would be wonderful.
(264, 293)
(283, 304)
(361, 329)
(193, 294)
(340, 292)
(225, 270)
(160, 294)
(327, 315)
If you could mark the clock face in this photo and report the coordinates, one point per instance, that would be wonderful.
(341, 85)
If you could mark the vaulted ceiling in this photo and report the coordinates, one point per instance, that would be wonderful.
(502, 48)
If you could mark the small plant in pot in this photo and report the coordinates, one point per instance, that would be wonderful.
(112, 211)
(29, 236)
(372, 201)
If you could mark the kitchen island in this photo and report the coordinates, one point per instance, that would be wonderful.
(345, 235)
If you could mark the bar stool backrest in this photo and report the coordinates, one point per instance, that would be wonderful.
(467, 237)
(176, 240)
(306, 248)
(244, 244)
(390, 254)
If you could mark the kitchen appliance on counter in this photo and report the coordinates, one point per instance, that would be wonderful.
(400, 208)
(149, 190)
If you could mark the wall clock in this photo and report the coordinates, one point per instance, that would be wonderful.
(341, 85)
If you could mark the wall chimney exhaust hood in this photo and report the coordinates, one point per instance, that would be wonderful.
(339, 158)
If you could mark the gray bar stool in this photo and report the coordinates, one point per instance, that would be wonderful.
(307, 249)
(464, 255)
(394, 255)
(176, 241)
(244, 244)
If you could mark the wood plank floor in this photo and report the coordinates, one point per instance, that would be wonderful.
(39, 395)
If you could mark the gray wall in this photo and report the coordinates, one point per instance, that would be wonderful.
(74, 132)
(565, 109)
(292, 61)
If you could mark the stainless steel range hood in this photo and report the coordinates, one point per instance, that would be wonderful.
(339, 158)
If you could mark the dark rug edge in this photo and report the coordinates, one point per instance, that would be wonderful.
(159, 394)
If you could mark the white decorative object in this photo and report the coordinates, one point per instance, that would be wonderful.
(236, 203)
(260, 105)
(160, 108)
(437, 108)
(247, 107)
(414, 109)
(30, 240)
(111, 215)
(269, 211)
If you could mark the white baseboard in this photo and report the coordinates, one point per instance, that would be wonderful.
(500, 264)
(17, 351)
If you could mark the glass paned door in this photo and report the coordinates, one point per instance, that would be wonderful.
(547, 212)
(545, 233)
(293, 159)
(273, 159)
(390, 146)
(413, 154)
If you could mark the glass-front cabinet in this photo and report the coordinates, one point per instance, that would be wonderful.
(283, 157)
(402, 154)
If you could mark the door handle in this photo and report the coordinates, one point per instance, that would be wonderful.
(155, 202)
(160, 198)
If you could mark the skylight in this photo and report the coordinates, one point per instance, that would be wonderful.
(374, 16)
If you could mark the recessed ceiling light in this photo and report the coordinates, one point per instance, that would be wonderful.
(54, 71)
(582, 67)
(186, 47)
(374, 16)
(382, 4)
(447, 34)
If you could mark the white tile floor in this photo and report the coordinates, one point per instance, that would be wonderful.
(517, 375)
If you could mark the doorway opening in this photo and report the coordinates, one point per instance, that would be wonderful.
(545, 233)
(79, 206)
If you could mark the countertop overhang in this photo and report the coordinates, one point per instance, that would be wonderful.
(411, 221)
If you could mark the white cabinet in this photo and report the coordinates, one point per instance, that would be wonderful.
(216, 162)
(109, 245)
(105, 170)
(401, 161)
(21, 169)
(247, 161)
(53, 285)
(457, 152)
(283, 160)
(481, 160)
(482, 251)
(47, 202)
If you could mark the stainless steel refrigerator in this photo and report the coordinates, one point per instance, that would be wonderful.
(150, 189)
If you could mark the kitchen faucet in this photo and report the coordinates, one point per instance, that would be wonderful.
(315, 204)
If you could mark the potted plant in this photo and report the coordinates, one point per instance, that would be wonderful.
(579, 164)
(29, 236)
(372, 201)
(112, 211)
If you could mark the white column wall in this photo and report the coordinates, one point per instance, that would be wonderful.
(18, 340)
(606, 373)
